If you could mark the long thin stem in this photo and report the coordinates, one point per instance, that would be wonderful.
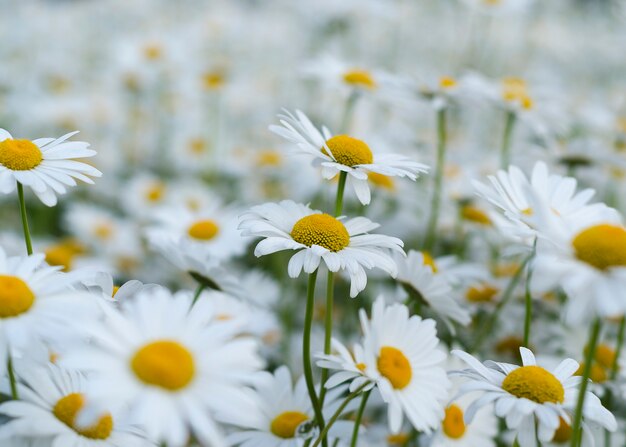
(359, 416)
(196, 295)
(591, 351)
(20, 195)
(306, 350)
(505, 154)
(348, 113)
(613, 374)
(12, 380)
(341, 186)
(431, 229)
(529, 300)
(338, 413)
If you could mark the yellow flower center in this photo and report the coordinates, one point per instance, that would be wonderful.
(323, 230)
(398, 439)
(269, 158)
(15, 296)
(155, 192)
(447, 82)
(197, 146)
(359, 78)
(603, 246)
(605, 355)
(63, 254)
(165, 364)
(203, 230)
(103, 230)
(285, 424)
(429, 261)
(349, 151)
(492, 2)
(481, 294)
(382, 181)
(598, 374)
(19, 155)
(393, 365)
(476, 215)
(534, 383)
(153, 52)
(562, 434)
(453, 423)
(213, 80)
(66, 409)
(516, 90)
(361, 366)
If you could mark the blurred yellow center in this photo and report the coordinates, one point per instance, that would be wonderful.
(285, 424)
(204, 230)
(393, 365)
(453, 423)
(602, 246)
(398, 439)
(15, 296)
(269, 158)
(476, 215)
(447, 82)
(155, 192)
(68, 407)
(349, 151)
(429, 261)
(197, 146)
(562, 434)
(103, 230)
(153, 52)
(165, 364)
(605, 355)
(516, 90)
(63, 254)
(483, 293)
(382, 181)
(534, 383)
(359, 78)
(323, 230)
(213, 80)
(598, 373)
(19, 155)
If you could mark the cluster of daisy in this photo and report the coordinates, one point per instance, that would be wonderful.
(355, 223)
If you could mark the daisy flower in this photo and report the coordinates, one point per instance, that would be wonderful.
(343, 153)
(418, 272)
(399, 355)
(280, 412)
(320, 237)
(34, 302)
(46, 165)
(532, 399)
(48, 413)
(170, 366)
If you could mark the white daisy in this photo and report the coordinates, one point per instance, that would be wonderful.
(399, 355)
(532, 399)
(317, 236)
(343, 153)
(418, 272)
(49, 413)
(280, 413)
(46, 165)
(170, 366)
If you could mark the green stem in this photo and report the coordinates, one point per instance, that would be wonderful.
(20, 195)
(529, 300)
(431, 229)
(348, 113)
(359, 416)
(613, 374)
(338, 413)
(508, 293)
(12, 380)
(196, 295)
(509, 124)
(341, 186)
(591, 351)
(306, 350)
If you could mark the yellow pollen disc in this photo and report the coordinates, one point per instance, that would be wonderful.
(285, 424)
(508, 269)
(323, 230)
(382, 181)
(481, 294)
(399, 439)
(447, 82)
(197, 146)
(15, 296)
(155, 192)
(598, 373)
(153, 52)
(359, 78)
(476, 215)
(527, 211)
(509, 345)
(605, 356)
(349, 151)
(63, 254)
(269, 158)
(602, 246)
(534, 383)
(204, 230)
(361, 366)
(429, 261)
(103, 230)
(453, 423)
(19, 155)
(165, 364)
(213, 80)
(393, 365)
(562, 434)
(68, 407)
